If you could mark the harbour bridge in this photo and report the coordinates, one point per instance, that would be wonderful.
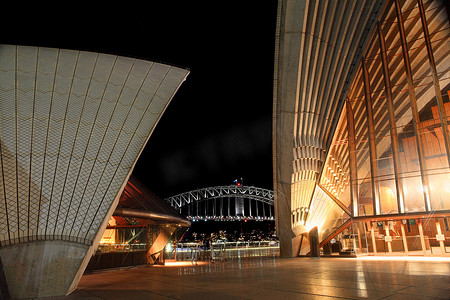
(225, 203)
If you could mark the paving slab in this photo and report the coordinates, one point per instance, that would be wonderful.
(274, 278)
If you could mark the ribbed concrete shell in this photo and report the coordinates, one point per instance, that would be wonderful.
(318, 47)
(360, 115)
(72, 125)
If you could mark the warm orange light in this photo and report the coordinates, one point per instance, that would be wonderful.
(108, 237)
(173, 263)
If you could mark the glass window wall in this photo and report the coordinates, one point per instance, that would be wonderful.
(422, 172)
(399, 100)
(325, 214)
(336, 174)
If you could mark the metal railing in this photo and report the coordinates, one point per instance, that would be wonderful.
(220, 251)
(106, 248)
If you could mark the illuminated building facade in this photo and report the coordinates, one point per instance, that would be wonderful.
(361, 131)
(72, 126)
(138, 230)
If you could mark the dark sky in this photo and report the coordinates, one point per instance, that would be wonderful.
(218, 126)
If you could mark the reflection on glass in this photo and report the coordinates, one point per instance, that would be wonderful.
(417, 124)
(325, 214)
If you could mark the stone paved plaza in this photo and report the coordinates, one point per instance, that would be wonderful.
(274, 278)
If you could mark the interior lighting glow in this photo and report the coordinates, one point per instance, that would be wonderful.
(181, 263)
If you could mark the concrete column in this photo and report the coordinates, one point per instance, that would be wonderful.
(314, 242)
(159, 243)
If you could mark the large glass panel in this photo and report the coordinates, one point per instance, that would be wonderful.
(388, 194)
(409, 173)
(123, 239)
(385, 180)
(428, 130)
(325, 214)
(435, 158)
(336, 175)
(360, 238)
(440, 191)
(439, 30)
(365, 203)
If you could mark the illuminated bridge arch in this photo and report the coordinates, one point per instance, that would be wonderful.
(225, 203)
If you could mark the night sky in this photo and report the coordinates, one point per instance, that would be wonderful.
(218, 126)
